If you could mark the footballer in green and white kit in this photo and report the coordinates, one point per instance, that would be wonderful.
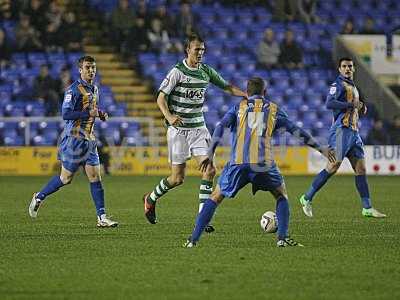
(180, 99)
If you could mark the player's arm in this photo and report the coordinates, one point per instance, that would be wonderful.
(332, 100)
(173, 120)
(220, 82)
(235, 91)
(228, 120)
(284, 122)
(68, 111)
(165, 89)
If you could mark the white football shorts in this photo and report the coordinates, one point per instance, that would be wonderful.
(185, 143)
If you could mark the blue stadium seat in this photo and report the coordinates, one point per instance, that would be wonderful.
(13, 141)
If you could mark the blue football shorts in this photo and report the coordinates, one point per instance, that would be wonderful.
(74, 152)
(346, 142)
(235, 177)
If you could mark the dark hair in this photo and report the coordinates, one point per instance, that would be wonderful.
(255, 86)
(87, 58)
(344, 59)
(192, 37)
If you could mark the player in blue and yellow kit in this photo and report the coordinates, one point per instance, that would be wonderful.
(344, 100)
(78, 145)
(252, 123)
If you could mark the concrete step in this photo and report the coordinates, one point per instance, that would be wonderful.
(139, 89)
(92, 49)
(110, 65)
(106, 57)
(118, 73)
(145, 113)
(116, 81)
(142, 105)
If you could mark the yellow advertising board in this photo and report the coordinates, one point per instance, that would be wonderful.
(133, 160)
(28, 160)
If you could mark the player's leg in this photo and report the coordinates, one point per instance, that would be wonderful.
(232, 179)
(204, 217)
(283, 216)
(198, 142)
(97, 192)
(206, 185)
(150, 199)
(361, 183)
(319, 181)
(339, 140)
(178, 153)
(55, 183)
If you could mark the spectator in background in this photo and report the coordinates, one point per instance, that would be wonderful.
(348, 27)
(268, 50)
(35, 10)
(5, 50)
(64, 81)
(137, 40)
(122, 21)
(369, 27)
(185, 20)
(45, 90)
(377, 134)
(394, 131)
(9, 10)
(291, 55)
(143, 12)
(158, 37)
(26, 36)
(71, 33)
(284, 10)
(306, 11)
(167, 21)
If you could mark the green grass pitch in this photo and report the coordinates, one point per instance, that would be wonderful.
(62, 255)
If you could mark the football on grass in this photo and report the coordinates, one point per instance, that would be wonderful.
(268, 222)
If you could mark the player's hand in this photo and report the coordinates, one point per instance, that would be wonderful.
(94, 112)
(329, 153)
(103, 115)
(175, 120)
(204, 164)
(362, 108)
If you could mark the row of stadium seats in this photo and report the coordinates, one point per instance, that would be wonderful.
(48, 133)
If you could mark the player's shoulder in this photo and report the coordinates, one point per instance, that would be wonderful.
(73, 87)
(335, 86)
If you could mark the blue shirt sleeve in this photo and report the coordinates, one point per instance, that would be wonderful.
(334, 99)
(283, 122)
(68, 106)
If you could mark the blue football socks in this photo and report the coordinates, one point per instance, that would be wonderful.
(52, 186)
(317, 184)
(204, 217)
(282, 213)
(96, 189)
(362, 188)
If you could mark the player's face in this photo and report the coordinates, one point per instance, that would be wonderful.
(346, 69)
(88, 71)
(195, 51)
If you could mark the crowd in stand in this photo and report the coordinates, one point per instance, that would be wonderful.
(137, 29)
(42, 26)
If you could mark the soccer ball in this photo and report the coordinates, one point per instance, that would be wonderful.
(269, 222)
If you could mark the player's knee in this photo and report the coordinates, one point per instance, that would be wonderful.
(332, 168)
(177, 180)
(94, 177)
(361, 170)
(211, 172)
(66, 179)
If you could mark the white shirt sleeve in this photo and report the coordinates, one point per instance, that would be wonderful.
(170, 81)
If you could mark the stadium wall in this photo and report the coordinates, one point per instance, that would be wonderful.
(381, 160)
